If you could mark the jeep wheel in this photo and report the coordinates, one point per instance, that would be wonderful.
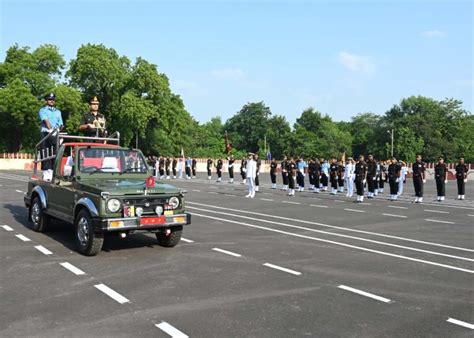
(172, 239)
(37, 216)
(88, 242)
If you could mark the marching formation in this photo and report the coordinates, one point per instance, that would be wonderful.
(367, 177)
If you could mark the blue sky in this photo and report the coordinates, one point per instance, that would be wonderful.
(340, 57)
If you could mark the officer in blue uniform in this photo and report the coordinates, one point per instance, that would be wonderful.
(50, 118)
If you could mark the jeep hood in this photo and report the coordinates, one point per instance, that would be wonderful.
(127, 186)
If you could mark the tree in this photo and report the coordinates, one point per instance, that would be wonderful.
(248, 127)
(278, 136)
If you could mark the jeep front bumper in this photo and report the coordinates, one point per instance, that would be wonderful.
(147, 223)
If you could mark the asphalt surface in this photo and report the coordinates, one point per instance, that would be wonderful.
(272, 266)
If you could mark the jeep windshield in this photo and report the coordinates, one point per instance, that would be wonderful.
(106, 160)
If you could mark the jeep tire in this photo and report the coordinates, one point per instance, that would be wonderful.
(89, 243)
(172, 239)
(37, 216)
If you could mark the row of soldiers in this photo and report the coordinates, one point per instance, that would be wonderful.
(365, 176)
(166, 167)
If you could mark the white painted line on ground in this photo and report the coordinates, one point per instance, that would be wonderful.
(366, 294)
(7, 228)
(354, 210)
(23, 238)
(111, 293)
(196, 190)
(187, 240)
(339, 201)
(72, 268)
(392, 215)
(318, 206)
(471, 215)
(461, 323)
(227, 252)
(436, 211)
(290, 202)
(396, 207)
(43, 250)
(212, 192)
(21, 192)
(345, 245)
(213, 187)
(338, 235)
(172, 331)
(438, 221)
(316, 198)
(333, 226)
(230, 195)
(293, 272)
(267, 199)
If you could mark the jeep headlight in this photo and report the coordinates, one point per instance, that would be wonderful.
(174, 202)
(113, 205)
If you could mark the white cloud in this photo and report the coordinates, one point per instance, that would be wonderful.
(433, 34)
(356, 63)
(228, 73)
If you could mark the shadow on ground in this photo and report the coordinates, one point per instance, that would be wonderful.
(63, 233)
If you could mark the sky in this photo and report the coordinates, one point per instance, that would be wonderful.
(342, 58)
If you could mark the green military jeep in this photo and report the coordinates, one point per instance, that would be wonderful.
(101, 189)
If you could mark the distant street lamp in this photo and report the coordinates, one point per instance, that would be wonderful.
(391, 135)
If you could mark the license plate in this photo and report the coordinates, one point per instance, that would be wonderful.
(154, 220)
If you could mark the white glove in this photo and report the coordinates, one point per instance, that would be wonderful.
(424, 181)
(304, 175)
(397, 180)
(445, 181)
(363, 181)
(374, 178)
(465, 180)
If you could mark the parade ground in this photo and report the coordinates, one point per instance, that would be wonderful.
(273, 266)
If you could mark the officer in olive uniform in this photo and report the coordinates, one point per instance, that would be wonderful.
(371, 176)
(418, 178)
(259, 164)
(243, 169)
(317, 175)
(441, 172)
(93, 123)
(461, 178)
(360, 172)
(333, 176)
(340, 176)
(219, 170)
(273, 170)
(193, 167)
(167, 167)
(209, 166)
(291, 169)
(394, 170)
(284, 173)
(174, 164)
(231, 168)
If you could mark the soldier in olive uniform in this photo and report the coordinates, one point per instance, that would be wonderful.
(340, 176)
(167, 167)
(441, 172)
(371, 176)
(273, 170)
(243, 169)
(394, 170)
(174, 164)
(333, 176)
(419, 178)
(461, 178)
(231, 168)
(219, 170)
(360, 173)
(291, 169)
(317, 175)
(259, 163)
(193, 167)
(284, 173)
(209, 166)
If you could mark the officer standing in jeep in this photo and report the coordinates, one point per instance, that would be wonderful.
(93, 123)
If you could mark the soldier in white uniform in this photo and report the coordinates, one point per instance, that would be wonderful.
(349, 177)
(251, 175)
